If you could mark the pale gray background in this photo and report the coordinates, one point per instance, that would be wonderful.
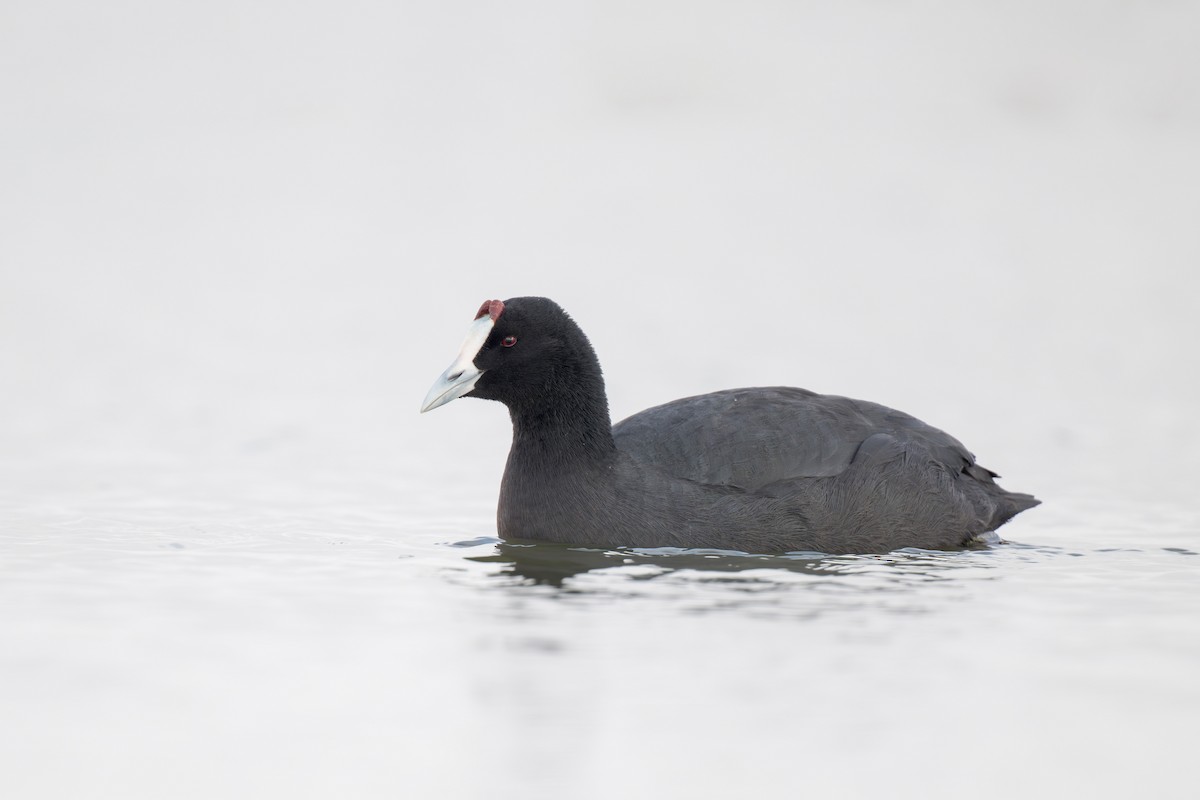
(230, 219)
(239, 241)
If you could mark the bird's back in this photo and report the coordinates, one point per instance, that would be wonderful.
(759, 436)
(866, 462)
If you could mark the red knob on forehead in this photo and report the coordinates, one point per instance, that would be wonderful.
(493, 308)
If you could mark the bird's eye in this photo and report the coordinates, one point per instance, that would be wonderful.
(508, 341)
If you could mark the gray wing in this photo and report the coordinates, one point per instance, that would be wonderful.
(754, 437)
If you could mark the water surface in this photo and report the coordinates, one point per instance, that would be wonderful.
(166, 634)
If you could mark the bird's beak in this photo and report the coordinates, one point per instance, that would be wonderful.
(460, 377)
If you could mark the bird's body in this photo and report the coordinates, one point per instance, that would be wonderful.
(761, 470)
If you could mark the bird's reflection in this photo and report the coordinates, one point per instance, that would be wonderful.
(552, 564)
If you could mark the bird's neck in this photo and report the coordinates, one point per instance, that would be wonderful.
(559, 459)
(554, 435)
(560, 466)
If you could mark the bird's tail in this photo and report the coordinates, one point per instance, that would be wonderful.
(1009, 504)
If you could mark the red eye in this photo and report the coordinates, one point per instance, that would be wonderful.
(508, 341)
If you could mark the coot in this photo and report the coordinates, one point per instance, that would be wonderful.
(765, 470)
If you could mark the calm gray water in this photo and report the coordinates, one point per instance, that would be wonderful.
(286, 631)
(238, 242)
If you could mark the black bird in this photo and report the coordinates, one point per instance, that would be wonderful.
(765, 470)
